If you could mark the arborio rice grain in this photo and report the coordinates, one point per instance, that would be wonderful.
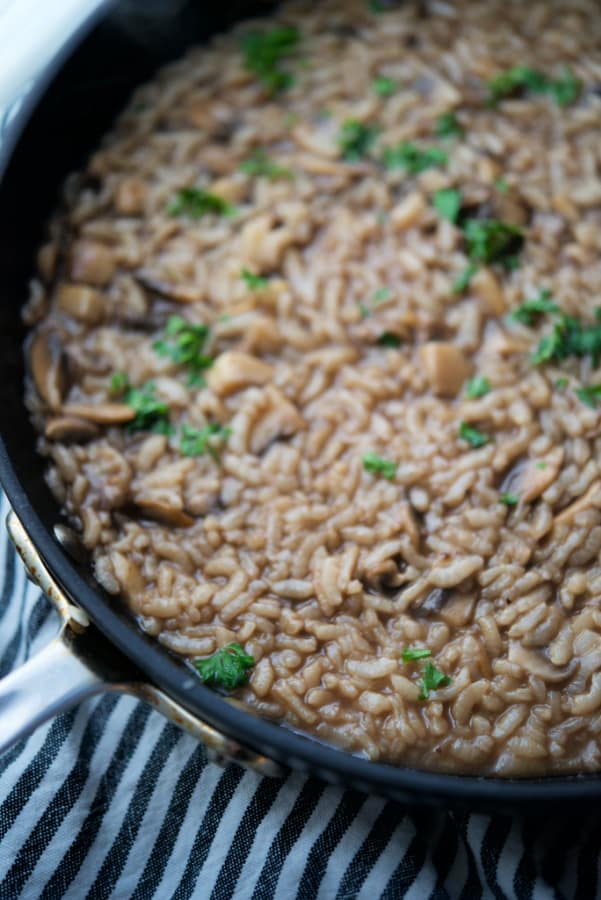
(354, 499)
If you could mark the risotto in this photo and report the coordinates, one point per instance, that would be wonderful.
(313, 352)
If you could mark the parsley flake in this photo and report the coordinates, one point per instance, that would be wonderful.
(432, 679)
(259, 163)
(447, 125)
(383, 86)
(118, 384)
(531, 310)
(464, 278)
(183, 344)
(381, 294)
(152, 414)
(264, 53)
(520, 80)
(590, 395)
(196, 202)
(490, 240)
(447, 202)
(196, 441)
(389, 339)
(509, 499)
(412, 158)
(228, 668)
(472, 436)
(411, 654)
(501, 185)
(253, 282)
(356, 139)
(477, 387)
(376, 465)
(569, 337)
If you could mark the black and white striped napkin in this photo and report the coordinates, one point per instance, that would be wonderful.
(112, 801)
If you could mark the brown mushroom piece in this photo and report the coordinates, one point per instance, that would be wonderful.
(68, 429)
(101, 413)
(590, 498)
(162, 512)
(487, 288)
(48, 368)
(130, 197)
(178, 293)
(281, 419)
(533, 662)
(81, 302)
(445, 367)
(233, 371)
(537, 475)
(92, 262)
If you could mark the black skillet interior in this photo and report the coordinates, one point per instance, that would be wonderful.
(68, 122)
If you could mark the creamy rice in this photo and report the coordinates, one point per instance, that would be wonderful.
(482, 546)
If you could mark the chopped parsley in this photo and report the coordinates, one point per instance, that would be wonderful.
(264, 53)
(356, 139)
(530, 311)
(542, 464)
(447, 125)
(501, 185)
(364, 310)
(411, 654)
(522, 79)
(196, 202)
(569, 337)
(183, 344)
(447, 201)
(118, 384)
(432, 679)
(228, 668)
(561, 383)
(472, 436)
(152, 414)
(259, 163)
(196, 441)
(389, 339)
(253, 282)
(478, 387)
(490, 240)
(379, 466)
(383, 86)
(509, 499)
(590, 395)
(412, 158)
(381, 294)
(464, 278)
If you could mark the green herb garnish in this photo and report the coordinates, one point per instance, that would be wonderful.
(228, 668)
(522, 79)
(389, 339)
(541, 465)
(379, 466)
(264, 53)
(477, 387)
(183, 344)
(118, 384)
(253, 282)
(196, 202)
(509, 499)
(412, 158)
(261, 165)
(432, 679)
(381, 294)
(447, 125)
(490, 240)
(561, 383)
(569, 337)
(501, 185)
(411, 654)
(196, 441)
(463, 279)
(590, 395)
(383, 86)
(356, 139)
(473, 437)
(531, 310)
(152, 414)
(447, 201)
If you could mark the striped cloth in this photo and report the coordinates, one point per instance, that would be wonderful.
(110, 800)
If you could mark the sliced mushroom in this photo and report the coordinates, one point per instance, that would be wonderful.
(101, 413)
(162, 512)
(179, 293)
(445, 366)
(233, 371)
(92, 262)
(130, 197)
(81, 302)
(316, 141)
(486, 287)
(48, 368)
(533, 662)
(70, 428)
(282, 419)
(537, 475)
(591, 498)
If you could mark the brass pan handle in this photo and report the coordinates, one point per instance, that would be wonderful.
(80, 663)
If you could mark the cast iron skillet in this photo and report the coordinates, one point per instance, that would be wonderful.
(63, 125)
